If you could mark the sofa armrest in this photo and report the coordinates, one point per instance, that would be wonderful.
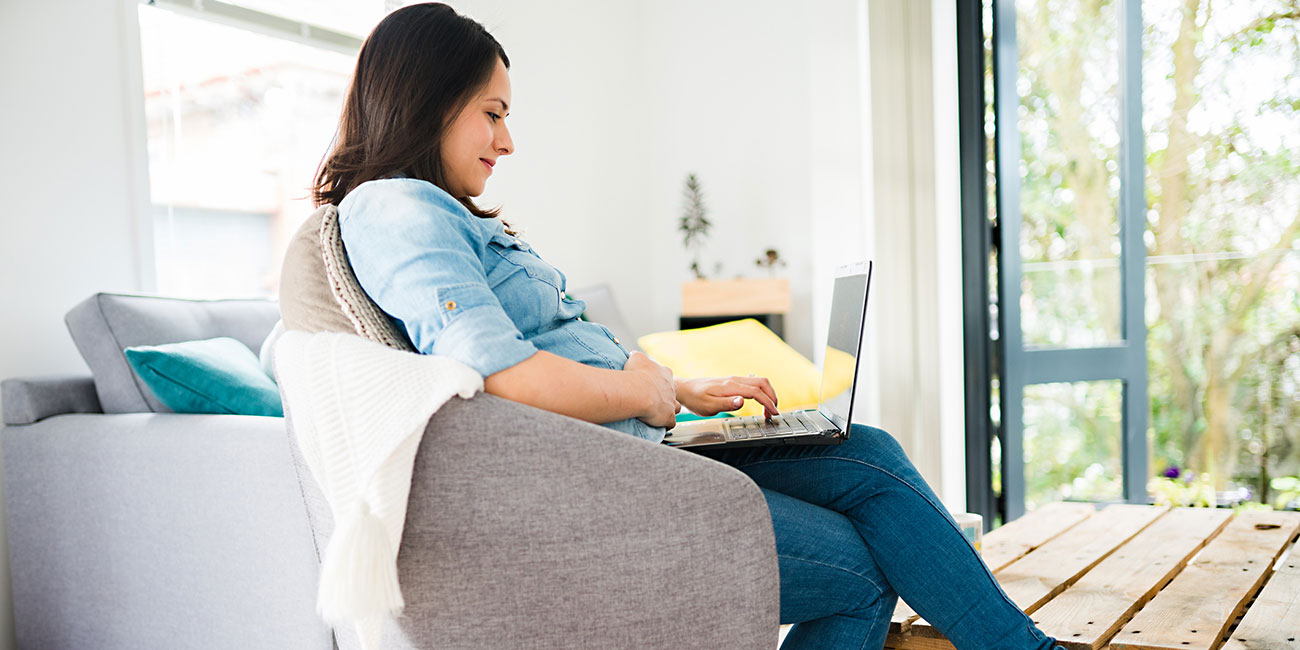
(32, 399)
(529, 529)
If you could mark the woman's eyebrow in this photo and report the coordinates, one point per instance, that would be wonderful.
(504, 106)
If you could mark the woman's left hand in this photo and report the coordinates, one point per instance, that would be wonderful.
(712, 395)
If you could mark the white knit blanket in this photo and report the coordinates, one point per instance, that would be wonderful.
(359, 410)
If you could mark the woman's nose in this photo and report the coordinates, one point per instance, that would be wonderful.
(504, 144)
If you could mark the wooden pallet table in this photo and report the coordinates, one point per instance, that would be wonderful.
(1129, 577)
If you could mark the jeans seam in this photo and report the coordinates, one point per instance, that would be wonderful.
(859, 607)
(865, 639)
(987, 572)
(832, 566)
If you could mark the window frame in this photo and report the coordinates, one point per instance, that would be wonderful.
(1007, 359)
(136, 128)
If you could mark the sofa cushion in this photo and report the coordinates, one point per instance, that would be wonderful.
(218, 375)
(743, 347)
(318, 291)
(105, 324)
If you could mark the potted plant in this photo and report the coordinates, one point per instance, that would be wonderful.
(694, 224)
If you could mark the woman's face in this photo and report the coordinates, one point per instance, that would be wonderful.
(478, 137)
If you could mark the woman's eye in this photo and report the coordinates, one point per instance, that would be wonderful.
(494, 116)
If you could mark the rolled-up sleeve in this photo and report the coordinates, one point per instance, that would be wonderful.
(416, 253)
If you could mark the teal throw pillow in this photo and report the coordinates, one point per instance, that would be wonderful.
(686, 416)
(218, 375)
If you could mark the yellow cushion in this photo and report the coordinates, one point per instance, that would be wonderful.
(744, 347)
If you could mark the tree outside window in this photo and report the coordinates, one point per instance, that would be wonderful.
(1221, 113)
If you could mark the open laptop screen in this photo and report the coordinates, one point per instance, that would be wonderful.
(843, 343)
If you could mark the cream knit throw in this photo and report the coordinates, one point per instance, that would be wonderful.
(359, 410)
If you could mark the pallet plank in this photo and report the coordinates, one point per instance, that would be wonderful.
(1017, 538)
(1274, 620)
(1037, 577)
(1089, 612)
(903, 617)
(1195, 610)
(1009, 542)
(907, 642)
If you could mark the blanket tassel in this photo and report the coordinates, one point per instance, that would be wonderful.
(358, 577)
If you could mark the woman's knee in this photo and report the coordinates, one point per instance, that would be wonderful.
(874, 441)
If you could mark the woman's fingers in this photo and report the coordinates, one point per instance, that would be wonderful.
(762, 384)
(725, 403)
(751, 392)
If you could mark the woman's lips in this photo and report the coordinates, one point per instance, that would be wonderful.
(489, 165)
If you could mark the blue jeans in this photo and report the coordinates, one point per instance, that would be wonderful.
(856, 527)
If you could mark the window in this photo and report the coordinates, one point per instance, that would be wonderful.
(240, 108)
(1221, 106)
(1142, 242)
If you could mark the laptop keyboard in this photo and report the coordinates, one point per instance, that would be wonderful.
(754, 426)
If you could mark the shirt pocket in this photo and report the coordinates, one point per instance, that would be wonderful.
(529, 288)
(520, 256)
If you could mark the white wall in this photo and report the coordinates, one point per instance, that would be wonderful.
(575, 184)
(68, 188)
(614, 103)
(68, 225)
(729, 93)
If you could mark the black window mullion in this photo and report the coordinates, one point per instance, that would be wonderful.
(972, 144)
(1132, 213)
(1006, 157)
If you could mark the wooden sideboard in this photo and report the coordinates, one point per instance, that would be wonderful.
(710, 302)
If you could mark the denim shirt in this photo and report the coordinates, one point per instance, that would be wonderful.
(463, 288)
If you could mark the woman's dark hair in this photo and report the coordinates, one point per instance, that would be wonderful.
(417, 70)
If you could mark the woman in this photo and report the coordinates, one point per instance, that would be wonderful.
(422, 127)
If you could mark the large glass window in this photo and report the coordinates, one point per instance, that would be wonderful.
(1069, 172)
(1176, 235)
(1221, 100)
(1072, 442)
(238, 120)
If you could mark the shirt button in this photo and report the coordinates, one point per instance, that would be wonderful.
(451, 304)
(616, 340)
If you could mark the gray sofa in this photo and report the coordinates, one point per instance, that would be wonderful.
(132, 527)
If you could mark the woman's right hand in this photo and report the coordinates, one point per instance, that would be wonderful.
(661, 405)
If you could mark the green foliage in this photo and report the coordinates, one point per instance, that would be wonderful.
(1072, 442)
(1286, 492)
(694, 224)
(1198, 492)
(1222, 111)
(1251, 506)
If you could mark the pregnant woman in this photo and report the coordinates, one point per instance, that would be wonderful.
(422, 130)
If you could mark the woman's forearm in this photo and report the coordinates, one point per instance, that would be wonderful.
(559, 385)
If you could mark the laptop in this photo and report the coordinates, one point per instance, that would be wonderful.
(828, 424)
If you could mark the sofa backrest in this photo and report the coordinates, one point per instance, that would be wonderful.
(106, 323)
(602, 309)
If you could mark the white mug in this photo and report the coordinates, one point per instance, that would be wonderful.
(972, 526)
